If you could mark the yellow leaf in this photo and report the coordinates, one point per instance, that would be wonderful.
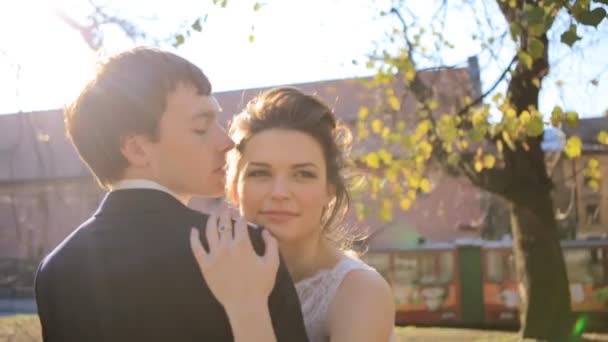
(405, 203)
(425, 149)
(413, 181)
(394, 102)
(507, 138)
(433, 105)
(411, 194)
(602, 137)
(425, 185)
(363, 133)
(573, 147)
(499, 146)
(373, 160)
(375, 185)
(377, 126)
(536, 82)
(391, 175)
(524, 117)
(401, 125)
(489, 161)
(410, 75)
(511, 113)
(363, 113)
(593, 163)
(594, 185)
(385, 156)
(478, 166)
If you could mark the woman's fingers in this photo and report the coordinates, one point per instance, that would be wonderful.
(224, 228)
(211, 231)
(197, 248)
(271, 255)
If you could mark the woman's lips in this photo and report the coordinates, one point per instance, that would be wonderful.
(276, 216)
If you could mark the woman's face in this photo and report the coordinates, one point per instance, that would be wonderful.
(282, 184)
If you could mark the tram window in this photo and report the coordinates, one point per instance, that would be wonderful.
(446, 267)
(380, 262)
(427, 269)
(579, 265)
(405, 269)
(495, 267)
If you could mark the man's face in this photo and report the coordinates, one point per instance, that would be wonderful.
(190, 155)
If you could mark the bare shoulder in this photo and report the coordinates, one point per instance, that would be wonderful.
(368, 282)
(363, 308)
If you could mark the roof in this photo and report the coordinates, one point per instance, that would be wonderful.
(33, 145)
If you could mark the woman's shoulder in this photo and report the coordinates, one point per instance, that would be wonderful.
(363, 299)
(359, 277)
(361, 283)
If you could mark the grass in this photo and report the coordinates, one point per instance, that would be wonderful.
(25, 328)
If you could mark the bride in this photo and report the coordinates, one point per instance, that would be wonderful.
(285, 174)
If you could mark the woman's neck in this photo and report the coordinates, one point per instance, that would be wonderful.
(306, 257)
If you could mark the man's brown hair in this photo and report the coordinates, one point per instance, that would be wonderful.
(128, 96)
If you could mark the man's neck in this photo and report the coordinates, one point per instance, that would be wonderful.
(142, 183)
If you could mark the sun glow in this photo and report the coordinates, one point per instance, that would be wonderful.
(41, 58)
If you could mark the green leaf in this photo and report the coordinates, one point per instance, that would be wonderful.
(536, 126)
(526, 59)
(515, 29)
(537, 30)
(257, 6)
(557, 116)
(573, 147)
(224, 3)
(536, 48)
(196, 26)
(570, 37)
(593, 18)
(534, 15)
(251, 38)
(179, 40)
(572, 119)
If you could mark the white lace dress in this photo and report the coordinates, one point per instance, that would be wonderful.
(317, 292)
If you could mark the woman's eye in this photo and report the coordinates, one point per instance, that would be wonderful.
(257, 173)
(200, 131)
(306, 174)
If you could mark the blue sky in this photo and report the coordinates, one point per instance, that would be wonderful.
(43, 63)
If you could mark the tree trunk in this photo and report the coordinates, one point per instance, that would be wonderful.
(544, 290)
(545, 297)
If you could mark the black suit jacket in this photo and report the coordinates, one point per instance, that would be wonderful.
(128, 274)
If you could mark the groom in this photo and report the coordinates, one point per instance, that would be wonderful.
(146, 127)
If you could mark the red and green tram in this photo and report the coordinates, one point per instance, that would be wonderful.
(474, 283)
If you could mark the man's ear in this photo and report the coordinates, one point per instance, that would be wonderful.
(135, 149)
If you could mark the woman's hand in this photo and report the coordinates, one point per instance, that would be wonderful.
(238, 277)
